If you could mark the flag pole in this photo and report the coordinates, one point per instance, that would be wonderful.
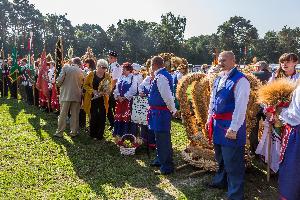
(2, 55)
(29, 58)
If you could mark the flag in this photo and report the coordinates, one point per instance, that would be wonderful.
(15, 68)
(58, 66)
(58, 55)
(42, 83)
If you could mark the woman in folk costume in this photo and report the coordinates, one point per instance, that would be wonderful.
(125, 89)
(144, 91)
(287, 69)
(138, 79)
(289, 184)
(97, 86)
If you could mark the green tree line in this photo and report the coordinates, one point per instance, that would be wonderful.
(136, 40)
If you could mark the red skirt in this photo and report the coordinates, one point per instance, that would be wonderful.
(123, 111)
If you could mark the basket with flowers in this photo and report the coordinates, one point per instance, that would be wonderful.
(128, 144)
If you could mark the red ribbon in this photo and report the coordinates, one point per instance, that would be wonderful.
(283, 104)
(271, 109)
(285, 138)
(223, 116)
(158, 108)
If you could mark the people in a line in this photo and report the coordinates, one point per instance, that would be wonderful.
(227, 127)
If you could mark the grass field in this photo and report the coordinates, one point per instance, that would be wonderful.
(36, 165)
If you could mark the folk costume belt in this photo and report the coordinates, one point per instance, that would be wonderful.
(223, 116)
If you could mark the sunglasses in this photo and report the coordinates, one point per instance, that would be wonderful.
(222, 60)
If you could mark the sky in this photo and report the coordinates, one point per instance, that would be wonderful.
(203, 16)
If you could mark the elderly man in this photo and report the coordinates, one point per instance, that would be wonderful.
(70, 81)
(162, 107)
(226, 123)
(263, 72)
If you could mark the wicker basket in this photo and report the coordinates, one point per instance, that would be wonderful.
(128, 150)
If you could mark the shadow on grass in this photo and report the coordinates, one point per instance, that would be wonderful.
(112, 176)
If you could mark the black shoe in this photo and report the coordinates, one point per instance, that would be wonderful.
(155, 164)
(158, 172)
(213, 186)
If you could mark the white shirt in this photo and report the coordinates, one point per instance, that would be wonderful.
(165, 91)
(241, 96)
(116, 71)
(138, 80)
(291, 115)
(51, 77)
(179, 76)
(132, 90)
(146, 83)
(294, 77)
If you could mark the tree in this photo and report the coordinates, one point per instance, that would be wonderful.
(169, 34)
(289, 39)
(55, 26)
(91, 35)
(133, 39)
(236, 34)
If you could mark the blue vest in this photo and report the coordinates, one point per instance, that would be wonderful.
(159, 120)
(124, 86)
(224, 102)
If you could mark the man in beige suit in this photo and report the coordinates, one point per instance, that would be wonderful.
(70, 81)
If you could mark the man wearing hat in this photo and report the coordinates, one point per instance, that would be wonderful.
(116, 72)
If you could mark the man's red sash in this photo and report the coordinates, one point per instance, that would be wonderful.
(223, 116)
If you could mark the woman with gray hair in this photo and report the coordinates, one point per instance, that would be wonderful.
(95, 103)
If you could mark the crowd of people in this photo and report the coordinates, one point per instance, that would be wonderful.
(99, 90)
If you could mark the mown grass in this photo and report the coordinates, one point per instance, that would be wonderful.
(36, 165)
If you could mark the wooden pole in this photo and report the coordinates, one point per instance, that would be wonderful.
(33, 92)
(269, 150)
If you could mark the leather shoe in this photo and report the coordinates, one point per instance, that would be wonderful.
(213, 186)
(154, 164)
(158, 172)
(60, 135)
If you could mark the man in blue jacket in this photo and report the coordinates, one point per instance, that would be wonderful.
(226, 124)
(162, 107)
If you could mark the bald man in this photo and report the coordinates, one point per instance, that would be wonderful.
(227, 127)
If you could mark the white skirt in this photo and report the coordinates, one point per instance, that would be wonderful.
(262, 148)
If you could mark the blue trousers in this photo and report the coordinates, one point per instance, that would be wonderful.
(231, 170)
(289, 183)
(164, 152)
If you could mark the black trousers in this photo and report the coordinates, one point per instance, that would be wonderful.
(82, 118)
(36, 96)
(111, 110)
(29, 94)
(254, 133)
(4, 87)
(98, 118)
(14, 90)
